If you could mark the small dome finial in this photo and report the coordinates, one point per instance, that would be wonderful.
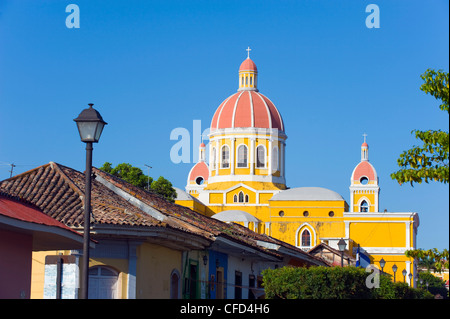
(364, 149)
(248, 52)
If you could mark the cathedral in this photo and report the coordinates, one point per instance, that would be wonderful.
(244, 182)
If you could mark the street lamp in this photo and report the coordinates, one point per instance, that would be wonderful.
(410, 279)
(90, 126)
(404, 275)
(382, 264)
(394, 269)
(341, 244)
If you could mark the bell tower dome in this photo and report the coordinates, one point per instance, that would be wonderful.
(364, 189)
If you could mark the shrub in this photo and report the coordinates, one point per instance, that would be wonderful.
(333, 283)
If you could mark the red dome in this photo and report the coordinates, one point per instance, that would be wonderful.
(199, 170)
(364, 169)
(248, 65)
(247, 109)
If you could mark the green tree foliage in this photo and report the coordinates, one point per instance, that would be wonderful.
(127, 172)
(135, 176)
(164, 187)
(435, 285)
(428, 162)
(430, 259)
(333, 283)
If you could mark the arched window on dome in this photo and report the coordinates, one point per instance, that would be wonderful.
(242, 160)
(260, 157)
(275, 159)
(225, 156)
(364, 207)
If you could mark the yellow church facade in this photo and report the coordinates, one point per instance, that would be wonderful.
(244, 182)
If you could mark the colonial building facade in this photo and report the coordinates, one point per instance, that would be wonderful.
(244, 182)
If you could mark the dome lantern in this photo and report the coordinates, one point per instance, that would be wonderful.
(248, 74)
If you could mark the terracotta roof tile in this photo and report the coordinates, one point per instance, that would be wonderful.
(59, 192)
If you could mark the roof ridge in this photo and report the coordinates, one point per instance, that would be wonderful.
(72, 185)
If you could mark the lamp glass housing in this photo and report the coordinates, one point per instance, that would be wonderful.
(394, 268)
(90, 125)
(341, 244)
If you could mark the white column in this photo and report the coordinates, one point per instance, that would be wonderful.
(408, 271)
(232, 155)
(351, 201)
(267, 230)
(252, 155)
(269, 158)
(408, 235)
(347, 229)
(218, 159)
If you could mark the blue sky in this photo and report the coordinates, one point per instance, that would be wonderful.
(152, 66)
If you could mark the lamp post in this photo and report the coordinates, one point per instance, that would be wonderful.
(410, 279)
(341, 245)
(90, 126)
(394, 269)
(404, 275)
(382, 264)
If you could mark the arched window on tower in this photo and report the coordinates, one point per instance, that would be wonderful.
(242, 156)
(260, 157)
(235, 199)
(225, 157)
(364, 207)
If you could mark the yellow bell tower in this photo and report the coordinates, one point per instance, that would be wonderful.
(364, 189)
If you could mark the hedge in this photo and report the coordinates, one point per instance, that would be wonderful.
(333, 283)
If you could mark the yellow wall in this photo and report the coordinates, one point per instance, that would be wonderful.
(37, 273)
(379, 234)
(154, 268)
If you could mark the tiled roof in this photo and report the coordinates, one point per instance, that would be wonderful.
(210, 225)
(59, 192)
(17, 209)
